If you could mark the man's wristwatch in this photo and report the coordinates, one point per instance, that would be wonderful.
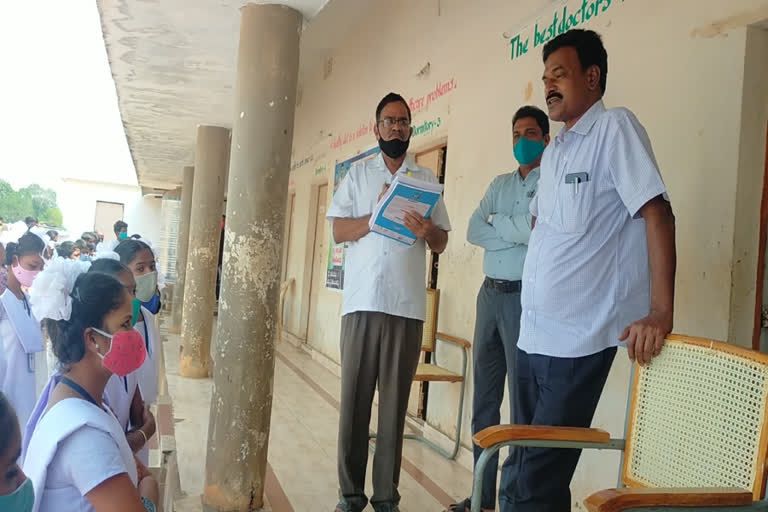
(489, 220)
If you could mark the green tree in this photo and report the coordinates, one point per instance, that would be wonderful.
(32, 200)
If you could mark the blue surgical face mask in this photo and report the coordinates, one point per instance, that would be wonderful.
(20, 500)
(527, 150)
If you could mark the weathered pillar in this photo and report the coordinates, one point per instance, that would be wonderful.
(181, 249)
(211, 160)
(262, 133)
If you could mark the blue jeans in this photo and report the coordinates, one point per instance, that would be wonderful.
(558, 391)
(494, 354)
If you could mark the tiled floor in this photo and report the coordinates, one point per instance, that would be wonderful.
(302, 448)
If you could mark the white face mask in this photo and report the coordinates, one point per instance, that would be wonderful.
(146, 286)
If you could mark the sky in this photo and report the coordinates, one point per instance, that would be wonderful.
(59, 116)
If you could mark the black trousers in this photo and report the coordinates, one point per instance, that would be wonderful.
(551, 391)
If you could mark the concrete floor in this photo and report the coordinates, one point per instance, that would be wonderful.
(302, 449)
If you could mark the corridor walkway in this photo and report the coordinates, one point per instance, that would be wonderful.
(302, 448)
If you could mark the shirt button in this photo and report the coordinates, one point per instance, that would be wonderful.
(530, 313)
(530, 280)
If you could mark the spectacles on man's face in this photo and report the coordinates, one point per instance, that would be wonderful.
(391, 122)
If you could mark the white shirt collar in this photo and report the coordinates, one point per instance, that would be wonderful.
(587, 121)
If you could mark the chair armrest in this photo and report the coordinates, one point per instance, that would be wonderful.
(613, 500)
(453, 339)
(501, 433)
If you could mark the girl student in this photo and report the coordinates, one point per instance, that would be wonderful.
(22, 355)
(16, 491)
(139, 258)
(122, 393)
(78, 457)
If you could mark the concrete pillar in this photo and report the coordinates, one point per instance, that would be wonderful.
(262, 133)
(181, 249)
(211, 160)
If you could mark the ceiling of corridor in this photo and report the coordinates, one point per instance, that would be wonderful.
(173, 62)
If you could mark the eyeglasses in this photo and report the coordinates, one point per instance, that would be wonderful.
(389, 122)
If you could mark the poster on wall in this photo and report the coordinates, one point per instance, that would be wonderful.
(334, 276)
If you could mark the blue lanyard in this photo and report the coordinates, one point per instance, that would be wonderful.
(79, 389)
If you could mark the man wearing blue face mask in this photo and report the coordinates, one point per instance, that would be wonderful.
(501, 225)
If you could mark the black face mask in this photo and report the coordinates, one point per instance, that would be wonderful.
(394, 148)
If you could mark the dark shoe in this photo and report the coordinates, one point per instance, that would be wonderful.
(386, 507)
(345, 506)
(462, 506)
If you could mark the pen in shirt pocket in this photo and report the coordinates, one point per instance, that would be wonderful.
(576, 178)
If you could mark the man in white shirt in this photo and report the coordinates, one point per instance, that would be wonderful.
(121, 233)
(383, 311)
(600, 266)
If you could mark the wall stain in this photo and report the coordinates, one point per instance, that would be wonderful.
(719, 28)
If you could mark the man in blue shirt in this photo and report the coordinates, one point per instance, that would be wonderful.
(501, 225)
(600, 267)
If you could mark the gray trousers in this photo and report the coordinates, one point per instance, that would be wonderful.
(384, 349)
(494, 354)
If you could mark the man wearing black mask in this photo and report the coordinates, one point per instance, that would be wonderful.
(383, 311)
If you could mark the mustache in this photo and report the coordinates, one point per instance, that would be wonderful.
(554, 94)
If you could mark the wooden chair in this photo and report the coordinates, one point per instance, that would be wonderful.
(696, 433)
(433, 372)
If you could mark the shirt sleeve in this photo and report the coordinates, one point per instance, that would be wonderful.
(440, 215)
(342, 203)
(514, 229)
(633, 167)
(479, 232)
(88, 457)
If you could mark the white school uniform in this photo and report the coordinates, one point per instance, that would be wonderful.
(75, 447)
(22, 354)
(147, 373)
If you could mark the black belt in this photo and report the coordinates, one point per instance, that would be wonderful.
(503, 286)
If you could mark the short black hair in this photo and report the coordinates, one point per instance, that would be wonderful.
(119, 226)
(80, 244)
(1, 218)
(29, 243)
(65, 249)
(52, 234)
(127, 250)
(29, 220)
(391, 98)
(94, 295)
(535, 112)
(589, 47)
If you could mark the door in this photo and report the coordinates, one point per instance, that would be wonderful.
(760, 334)
(107, 214)
(433, 159)
(317, 314)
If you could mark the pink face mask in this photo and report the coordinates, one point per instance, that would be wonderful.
(24, 276)
(126, 353)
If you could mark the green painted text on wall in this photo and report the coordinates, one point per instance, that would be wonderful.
(562, 21)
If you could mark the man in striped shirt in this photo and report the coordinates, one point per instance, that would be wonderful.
(600, 267)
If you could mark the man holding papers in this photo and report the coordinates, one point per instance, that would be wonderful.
(384, 304)
(501, 225)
